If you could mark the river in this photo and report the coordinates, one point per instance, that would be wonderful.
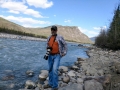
(18, 56)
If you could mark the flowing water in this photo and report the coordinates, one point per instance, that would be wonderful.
(18, 56)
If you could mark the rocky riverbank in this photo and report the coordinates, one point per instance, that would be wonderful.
(99, 72)
(20, 37)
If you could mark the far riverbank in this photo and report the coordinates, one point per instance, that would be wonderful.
(20, 37)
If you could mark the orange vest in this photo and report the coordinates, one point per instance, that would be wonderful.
(54, 45)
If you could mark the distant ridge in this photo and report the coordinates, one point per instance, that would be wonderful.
(70, 33)
(93, 39)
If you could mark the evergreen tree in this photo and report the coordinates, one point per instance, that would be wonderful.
(111, 38)
(101, 39)
(114, 31)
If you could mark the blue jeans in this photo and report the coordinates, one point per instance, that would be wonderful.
(53, 62)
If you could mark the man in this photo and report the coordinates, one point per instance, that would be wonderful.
(59, 49)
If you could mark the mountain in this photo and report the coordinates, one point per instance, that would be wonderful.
(70, 33)
(93, 39)
(10, 25)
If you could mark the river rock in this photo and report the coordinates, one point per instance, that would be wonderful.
(45, 72)
(101, 79)
(80, 80)
(26, 89)
(80, 59)
(76, 63)
(37, 88)
(74, 67)
(71, 73)
(73, 80)
(91, 54)
(91, 71)
(46, 85)
(100, 72)
(80, 45)
(107, 79)
(60, 83)
(78, 75)
(80, 62)
(63, 74)
(43, 76)
(30, 84)
(93, 85)
(66, 79)
(84, 66)
(63, 84)
(117, 66)
(8, 71)
(73, 87)
(63, 69)
(8, 77)
(30, 73)
(39, 85)
(60, 78)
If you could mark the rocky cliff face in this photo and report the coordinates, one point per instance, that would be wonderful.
(73, 33)
(70, 33)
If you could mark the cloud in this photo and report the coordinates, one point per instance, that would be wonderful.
(99, 28)
(93, 33)
(67, 21)
(12, 11)
(54, 15)
(82, 30)
(89, 33)
(32, 12)
(40, 3)
(30, 26)
(27, 25)
(19, 7)
(96, 28)
(25, 21)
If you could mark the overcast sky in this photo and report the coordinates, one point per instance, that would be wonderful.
(88, 15)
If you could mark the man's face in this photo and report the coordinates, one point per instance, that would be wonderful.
(53, 32)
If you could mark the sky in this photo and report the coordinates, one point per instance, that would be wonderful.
(88, 15)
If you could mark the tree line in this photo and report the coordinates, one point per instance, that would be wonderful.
(11, 31)
(110, 38)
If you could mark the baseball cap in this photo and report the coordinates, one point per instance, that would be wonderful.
(54, 27)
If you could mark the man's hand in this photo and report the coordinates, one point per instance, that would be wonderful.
(63, 54)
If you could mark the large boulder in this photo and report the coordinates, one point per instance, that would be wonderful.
(91, 71)
(80, 80)
(93, 85)
(26, 89)
(85, 66)
(73, 87)
(117, 66)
